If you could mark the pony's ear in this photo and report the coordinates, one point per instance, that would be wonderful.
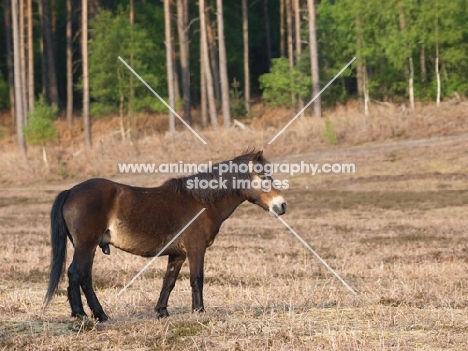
(258, 156)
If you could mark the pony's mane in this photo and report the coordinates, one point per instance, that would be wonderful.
(179, 184)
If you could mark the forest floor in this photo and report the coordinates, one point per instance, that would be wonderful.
(395, 231)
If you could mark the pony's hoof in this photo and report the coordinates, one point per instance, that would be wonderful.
(161, 313)
(199, 310)
(102, 317)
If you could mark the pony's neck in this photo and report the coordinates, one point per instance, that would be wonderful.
(226, 205)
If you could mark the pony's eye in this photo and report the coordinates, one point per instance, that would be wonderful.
(266, 177)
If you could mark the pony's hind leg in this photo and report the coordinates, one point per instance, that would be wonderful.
(74, 293)
(173, 268)
(87, 286)
(80, 274)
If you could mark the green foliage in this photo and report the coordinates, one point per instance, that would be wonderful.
(98, 109)
(152, 104)
(372, 31)
(280, 83)
(4, 93)
(41, 128)
(111, 79)
(238, 108)
(367, 29)
(329, 132)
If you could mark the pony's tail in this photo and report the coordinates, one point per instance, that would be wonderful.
(58, 239)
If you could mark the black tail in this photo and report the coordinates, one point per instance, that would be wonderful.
(59, 233)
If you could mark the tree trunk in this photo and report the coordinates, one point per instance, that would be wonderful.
(169, 62)
(10, 59)
(290, 44)
(267, 31)
(53, 20)
(30, 59)
(226, 104)
(438, 78)
(176, 71)
(54, 97)
(69, 63)
(174, 61)
(203, 92)
(282, 52)
(410, 83)
(213, 51)
(409, 68)
(437, 60)
(19, 108)
(131, 97)
(365, 87)
(297, 22)
(359, 66)
(422, 59)
(206, 67)
(121, 103)
(84, 51)
(44, 157)
(48, 51)
(23, 61)
(359, 75)
(44, 63)
(121, 117)
(314, 59)
(245, 30)
(360, 84)
(182, 26)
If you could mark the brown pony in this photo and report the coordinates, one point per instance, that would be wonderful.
(99, 212)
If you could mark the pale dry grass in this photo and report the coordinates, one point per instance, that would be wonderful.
(395, 230)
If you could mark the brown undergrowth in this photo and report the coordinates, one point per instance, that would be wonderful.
(148, 142)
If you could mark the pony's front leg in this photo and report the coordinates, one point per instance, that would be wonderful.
(173, 268)
(196, 260)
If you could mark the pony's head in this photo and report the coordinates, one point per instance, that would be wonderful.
(264, 191)
(248, 176)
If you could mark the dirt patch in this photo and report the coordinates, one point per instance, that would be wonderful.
(403, 200)
(433, 256)
(9, 330)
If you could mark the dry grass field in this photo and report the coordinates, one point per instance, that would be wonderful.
(396, 231)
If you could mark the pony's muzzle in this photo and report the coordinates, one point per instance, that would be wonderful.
(278, 209)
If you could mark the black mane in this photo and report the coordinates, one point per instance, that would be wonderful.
(209, 195)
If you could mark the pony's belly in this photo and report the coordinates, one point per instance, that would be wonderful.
(123, 239)
(142, 244)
